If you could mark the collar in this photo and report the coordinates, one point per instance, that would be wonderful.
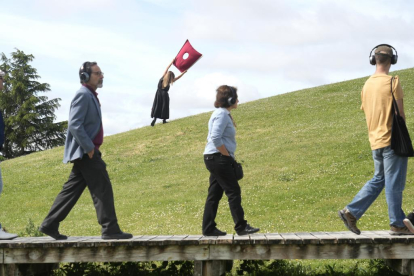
(91, 89)
(223, 109)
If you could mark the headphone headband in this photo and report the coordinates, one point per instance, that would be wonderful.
(394, 58)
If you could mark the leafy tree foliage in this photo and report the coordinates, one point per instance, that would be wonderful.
(28, 115)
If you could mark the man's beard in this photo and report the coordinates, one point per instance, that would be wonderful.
(100, 84)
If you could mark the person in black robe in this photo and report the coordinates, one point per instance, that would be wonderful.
(161, 106)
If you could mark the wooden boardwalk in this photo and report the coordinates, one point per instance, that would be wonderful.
(205, 250)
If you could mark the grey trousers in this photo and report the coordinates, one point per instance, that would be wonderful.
(89, 173)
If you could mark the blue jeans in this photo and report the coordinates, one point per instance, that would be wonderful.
(390, 171)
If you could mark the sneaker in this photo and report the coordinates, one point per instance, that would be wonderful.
(6, 236)
(248, 230)
(409, 222)
(349, 220)
(400, 231)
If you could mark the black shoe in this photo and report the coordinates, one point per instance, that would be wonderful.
(248, 230)
(118, 236)
(53, 233)
(215, 232)
(153, 122)
(165, 122)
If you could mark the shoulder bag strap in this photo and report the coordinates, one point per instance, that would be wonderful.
(394, 101)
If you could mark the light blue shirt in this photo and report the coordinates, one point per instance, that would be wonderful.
(221, 131)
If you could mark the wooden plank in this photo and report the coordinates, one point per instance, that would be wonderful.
(18, 242)
(227, 239)
(258, 239)
(274, 238)
(324, 238)
(191, 239)
(312, 251)
(376, 238)
(343, 237)
(176, 239)
(308, 238)
(143, 240)
(245, 239)
(291, 238)
(70, 242)
(393, 238)
(208, 240)
(159, 240)
(240, 252)
(106, 254)
(88, 241)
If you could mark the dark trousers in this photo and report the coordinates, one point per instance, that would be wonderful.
(222, 179)
(89, 173)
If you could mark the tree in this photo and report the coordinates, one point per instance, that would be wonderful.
(29, 117)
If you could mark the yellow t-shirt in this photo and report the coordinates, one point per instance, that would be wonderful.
(377, 104)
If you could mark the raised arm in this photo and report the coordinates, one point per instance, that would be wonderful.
(166, 70)
(180, 75)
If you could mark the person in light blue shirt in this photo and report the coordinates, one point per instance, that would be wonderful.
(219, 161)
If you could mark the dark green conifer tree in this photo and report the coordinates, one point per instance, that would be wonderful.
(28, 114)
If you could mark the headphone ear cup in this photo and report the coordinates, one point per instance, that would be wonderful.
(84, 77)
(372, 60)
(394, 59)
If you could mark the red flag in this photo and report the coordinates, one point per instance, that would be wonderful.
(186, 57)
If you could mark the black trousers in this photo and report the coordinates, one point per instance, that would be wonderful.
(89, 173)
(222, 179)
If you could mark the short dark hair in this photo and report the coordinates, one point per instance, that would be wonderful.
(87, 68)
(223, 94)
(383, 59)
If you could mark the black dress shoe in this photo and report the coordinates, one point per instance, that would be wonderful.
(248, 230)
(117, 236)
(215, 232)
(53, 233)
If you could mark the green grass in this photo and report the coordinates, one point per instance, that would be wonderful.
(305, 155)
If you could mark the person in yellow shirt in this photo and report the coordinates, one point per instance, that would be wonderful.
(390, 169)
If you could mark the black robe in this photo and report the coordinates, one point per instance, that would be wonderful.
(161, 106)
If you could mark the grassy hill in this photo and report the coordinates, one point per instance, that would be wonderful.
(305, 155)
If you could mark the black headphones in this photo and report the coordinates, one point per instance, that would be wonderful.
(394, 58)
(232, 100)
(83, 74)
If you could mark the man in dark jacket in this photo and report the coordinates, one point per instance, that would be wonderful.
(84, 137)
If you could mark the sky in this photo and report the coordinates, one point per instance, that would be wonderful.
(263, 47)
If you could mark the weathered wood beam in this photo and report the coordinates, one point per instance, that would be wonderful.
(105, 254)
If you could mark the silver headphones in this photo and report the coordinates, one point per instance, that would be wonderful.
(394, 58)
(232, 100)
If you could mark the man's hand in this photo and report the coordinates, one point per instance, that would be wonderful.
(90, 154)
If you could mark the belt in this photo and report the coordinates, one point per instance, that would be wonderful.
(214, 154)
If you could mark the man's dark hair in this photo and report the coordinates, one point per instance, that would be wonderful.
(382, 59)
(87, 68)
